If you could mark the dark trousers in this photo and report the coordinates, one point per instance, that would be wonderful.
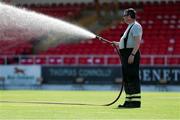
(130, 72)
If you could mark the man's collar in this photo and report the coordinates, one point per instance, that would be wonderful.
(132, 23)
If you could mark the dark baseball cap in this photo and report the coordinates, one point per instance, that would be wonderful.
(131, 12)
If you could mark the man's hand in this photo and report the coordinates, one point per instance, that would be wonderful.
(115, 43)
(130, 59)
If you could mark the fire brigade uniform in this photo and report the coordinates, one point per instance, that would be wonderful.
(130, 72)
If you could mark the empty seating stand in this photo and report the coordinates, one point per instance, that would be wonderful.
(58, 10)
(161, 27)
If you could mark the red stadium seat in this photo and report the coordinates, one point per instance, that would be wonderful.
(40, 60)
(174, 61)
(159, 61)
(145, 61)
(27, 60)
(55, 60)
(69, 60)
(85, 60)
(113, 60)
(98, 60)
(2, 60)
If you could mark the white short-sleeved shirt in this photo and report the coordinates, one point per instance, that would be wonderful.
(136, 30)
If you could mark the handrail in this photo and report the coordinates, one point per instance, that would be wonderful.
(91, 57)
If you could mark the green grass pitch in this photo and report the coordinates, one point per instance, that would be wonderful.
(155, 106)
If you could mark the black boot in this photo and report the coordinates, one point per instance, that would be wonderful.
(130, 104)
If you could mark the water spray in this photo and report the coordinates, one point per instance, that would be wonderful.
(45, 31)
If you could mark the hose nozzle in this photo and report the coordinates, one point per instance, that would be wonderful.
(102, 39)
(98, 37)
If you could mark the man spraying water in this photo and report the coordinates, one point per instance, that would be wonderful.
(38, 24)
(130, 58)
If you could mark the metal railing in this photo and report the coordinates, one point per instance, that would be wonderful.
(166, 60)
